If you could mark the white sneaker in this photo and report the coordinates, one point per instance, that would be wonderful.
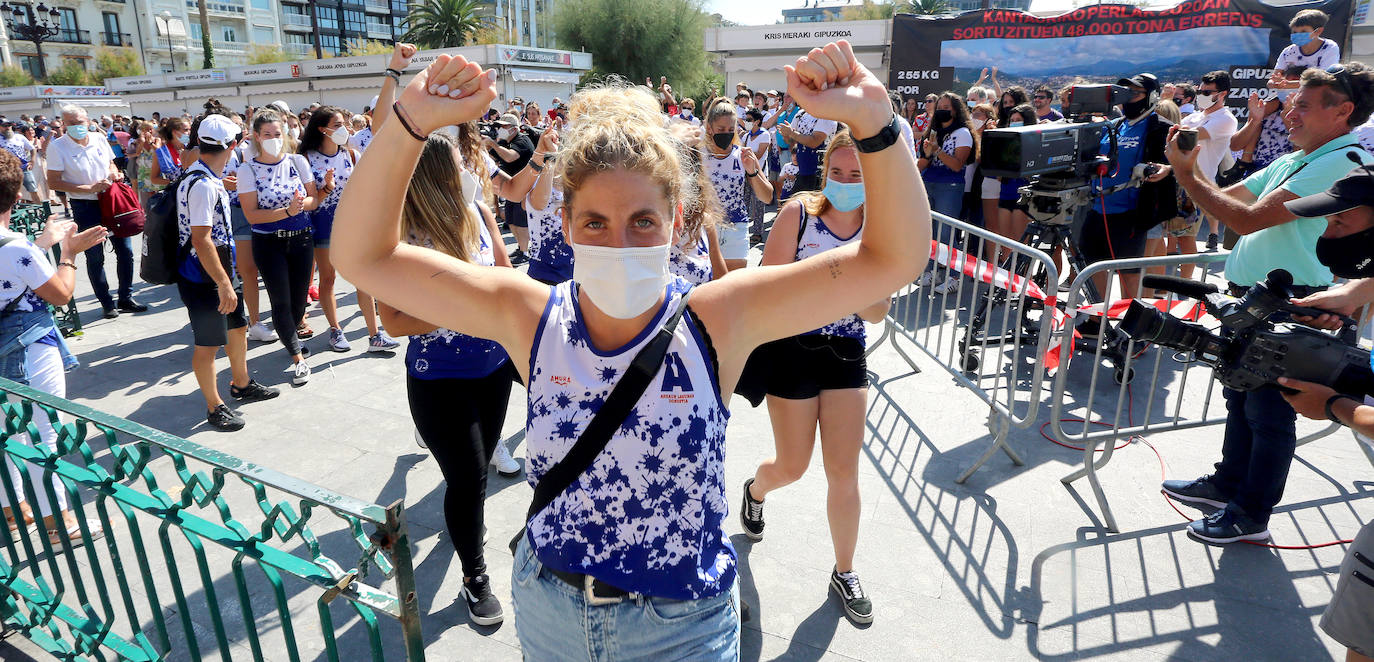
(925, 279)
(505, 464)
(420, 440)
(949, 286)
(260, 333)
(300, 373)
(382, 342)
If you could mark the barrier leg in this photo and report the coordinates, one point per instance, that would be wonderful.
(887, 330)
(887, 333)
(999, 441)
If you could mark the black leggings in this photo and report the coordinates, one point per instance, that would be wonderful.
(284, 264)
(460, 420)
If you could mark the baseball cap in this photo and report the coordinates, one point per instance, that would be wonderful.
(1146, 81)
(373, 103)
(1355, 189)
(281, 106)
(217, 130)
(508, 118)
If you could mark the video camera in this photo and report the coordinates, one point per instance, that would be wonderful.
(1059, 159)
(1253, 350)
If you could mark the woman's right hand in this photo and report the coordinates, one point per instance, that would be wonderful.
(831, 84)
(450, 90)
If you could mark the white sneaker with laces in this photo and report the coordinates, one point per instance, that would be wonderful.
(925, 279)
(337, 341)
(949, 285)
(260, 333)
(504, 463)
(382, 342)
(300, 373)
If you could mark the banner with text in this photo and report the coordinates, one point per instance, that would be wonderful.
(1094, 44)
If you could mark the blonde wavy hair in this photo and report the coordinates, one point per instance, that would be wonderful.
(617, 126)
(434, 208)
(814, 202)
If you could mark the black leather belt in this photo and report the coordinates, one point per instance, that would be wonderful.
(1298, 291)
(594, 590)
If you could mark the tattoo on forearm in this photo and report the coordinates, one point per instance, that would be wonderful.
(834, 264)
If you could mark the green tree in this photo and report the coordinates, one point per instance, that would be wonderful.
(267, 54)
(70, 73)
(444, 23)
(868, 11)
(358, 47)
(637, 38)
(926, 7)
(206, 46)
(114, 63)
(13, 76)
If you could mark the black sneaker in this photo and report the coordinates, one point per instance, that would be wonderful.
(1227, 526)
(519, 257)
(751, 514)
(857, 606)
(131, 306)
(1213, 241)
(111, 313)
(253, 392)
(1202, 491)
(483, 607)
(224, 418)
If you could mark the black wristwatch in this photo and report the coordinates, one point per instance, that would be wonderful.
(885, 138)
(1331, 414)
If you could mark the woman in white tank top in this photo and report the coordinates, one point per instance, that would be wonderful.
(632, 557)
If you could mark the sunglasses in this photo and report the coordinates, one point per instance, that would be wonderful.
(1342, 76)
(1041, 96)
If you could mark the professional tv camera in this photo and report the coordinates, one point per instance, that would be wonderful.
(1059, 159)
(1254, 351)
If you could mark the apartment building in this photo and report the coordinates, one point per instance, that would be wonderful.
(82, 29)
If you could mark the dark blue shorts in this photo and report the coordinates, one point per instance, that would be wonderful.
(322, 221)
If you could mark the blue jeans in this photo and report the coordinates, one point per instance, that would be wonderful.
(945, 198)
(1261, 436)
(86, 213)
(554, 622)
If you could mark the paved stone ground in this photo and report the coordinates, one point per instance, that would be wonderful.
(1009, 566)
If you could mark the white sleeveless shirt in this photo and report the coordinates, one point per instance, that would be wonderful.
(817, 238)
(647, 516)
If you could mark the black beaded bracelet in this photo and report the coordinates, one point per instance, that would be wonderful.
(400, 115)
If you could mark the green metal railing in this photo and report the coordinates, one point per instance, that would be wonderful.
(30, 219)
(161, 517)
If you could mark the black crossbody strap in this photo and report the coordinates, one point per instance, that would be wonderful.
(603, 425)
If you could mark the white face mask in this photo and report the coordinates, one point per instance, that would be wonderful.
(273, 146)
(295, 132)
(504, 134)
(340, 136)
(1205, 101)
(470, 185)
(622, 282)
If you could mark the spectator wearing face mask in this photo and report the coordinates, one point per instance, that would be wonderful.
(686, 112)
(176, 136)
(757, 140)
(1185, 97)
(513, 149)
(1215, 125)
(1307, 49)
(1011, 98)
(946, 149)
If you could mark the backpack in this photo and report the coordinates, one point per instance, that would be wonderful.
(120, 211)
(162, 249)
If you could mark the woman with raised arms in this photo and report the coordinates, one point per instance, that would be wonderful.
(632, 557)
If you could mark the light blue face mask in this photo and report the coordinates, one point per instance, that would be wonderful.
(1016, 124)
(844, 196)
(77, 132)
(1300, 38)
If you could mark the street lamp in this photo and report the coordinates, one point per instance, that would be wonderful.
(44, 24)
(164, 25)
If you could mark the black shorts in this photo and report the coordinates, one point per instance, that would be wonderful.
(515, 215)
(209, 327)
(1125, 240)
(800, 367)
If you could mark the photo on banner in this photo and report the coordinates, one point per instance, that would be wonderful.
(1094, 44)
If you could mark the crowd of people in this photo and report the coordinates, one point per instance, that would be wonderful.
(630, 208)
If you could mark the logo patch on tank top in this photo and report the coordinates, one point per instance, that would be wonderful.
(677, 385)
(560, 380)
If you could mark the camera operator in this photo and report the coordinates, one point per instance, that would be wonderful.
(1260, 425)
(1346, 248)
(1117, 225)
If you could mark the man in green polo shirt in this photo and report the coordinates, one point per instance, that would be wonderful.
(1260, 425)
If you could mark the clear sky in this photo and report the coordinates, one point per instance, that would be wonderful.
(768, 12)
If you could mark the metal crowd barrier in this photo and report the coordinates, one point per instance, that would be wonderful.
(29, 220)
(177, 530)
(1111, 411)
(991, 340)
